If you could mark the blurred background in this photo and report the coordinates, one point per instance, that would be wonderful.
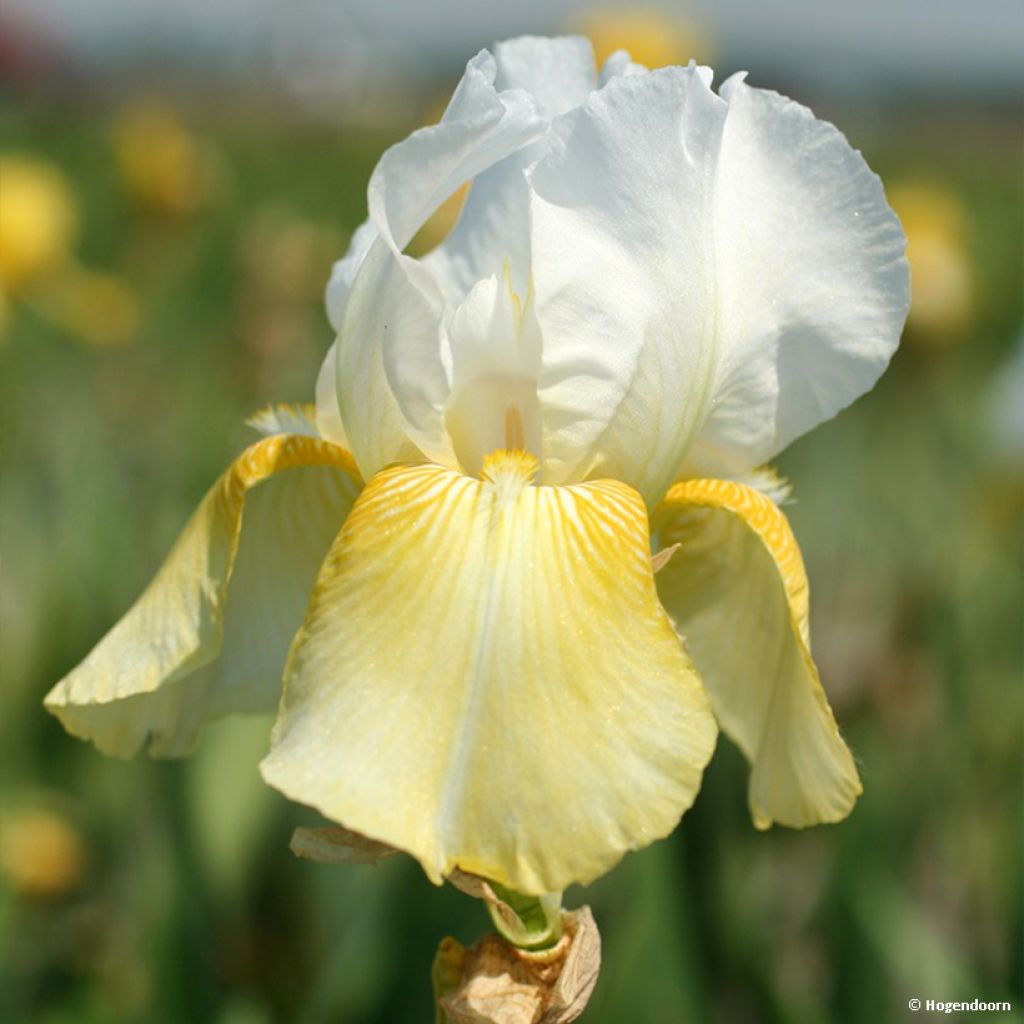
(175, 180)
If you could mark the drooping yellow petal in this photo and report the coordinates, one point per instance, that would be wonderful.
(487, 680)
(737, 590)
(236, 584)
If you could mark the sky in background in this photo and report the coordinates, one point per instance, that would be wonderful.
(334, 45)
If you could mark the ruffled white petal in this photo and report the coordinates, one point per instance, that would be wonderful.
(480, 126)
(491, 238)
(343, 273)
(210, 633)
(391, 375)
(491, 130)
(624, 279)
(328, 412)
(492, 233)
(714, 276)
(557, 72)
(812, 283)
(487, 680)
(619, 63)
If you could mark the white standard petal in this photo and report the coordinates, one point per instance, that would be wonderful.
(714, 276)
(343, 273)
(328, 413)
(622, 237)
(619, 63)
(492, 232)
(390, 372)
(812, 283)
(391, 377)
(557, 72)
(479, 127)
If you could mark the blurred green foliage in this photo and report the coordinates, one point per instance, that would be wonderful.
(179, 900)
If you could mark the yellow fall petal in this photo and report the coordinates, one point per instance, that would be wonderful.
(486, 679)
(737, 590)
(234, 585)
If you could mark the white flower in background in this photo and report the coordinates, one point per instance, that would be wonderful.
(652, 289)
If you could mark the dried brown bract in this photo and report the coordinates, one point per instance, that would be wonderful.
(494, 982)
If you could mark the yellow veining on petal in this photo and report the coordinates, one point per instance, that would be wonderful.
(152, 678)
(737, 590)
(487, 680)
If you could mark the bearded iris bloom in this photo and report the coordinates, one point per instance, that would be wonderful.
(524, 561)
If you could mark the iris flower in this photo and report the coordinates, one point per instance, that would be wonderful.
(524, 561)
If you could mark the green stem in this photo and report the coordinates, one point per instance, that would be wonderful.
(536, 921)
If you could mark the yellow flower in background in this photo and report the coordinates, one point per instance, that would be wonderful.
(942, 286)
(165, 167)
(42, 855)
(38, 220)
(522, 560)
(100, 308)
(37, 225)
(652, 36)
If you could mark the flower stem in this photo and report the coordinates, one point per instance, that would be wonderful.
(528, 922)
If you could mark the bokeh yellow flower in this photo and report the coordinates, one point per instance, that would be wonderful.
(37, 220)
(38, 227)
(100, 308)
(938, 248)
(42, 854)
(653, 36)
(165, 167)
